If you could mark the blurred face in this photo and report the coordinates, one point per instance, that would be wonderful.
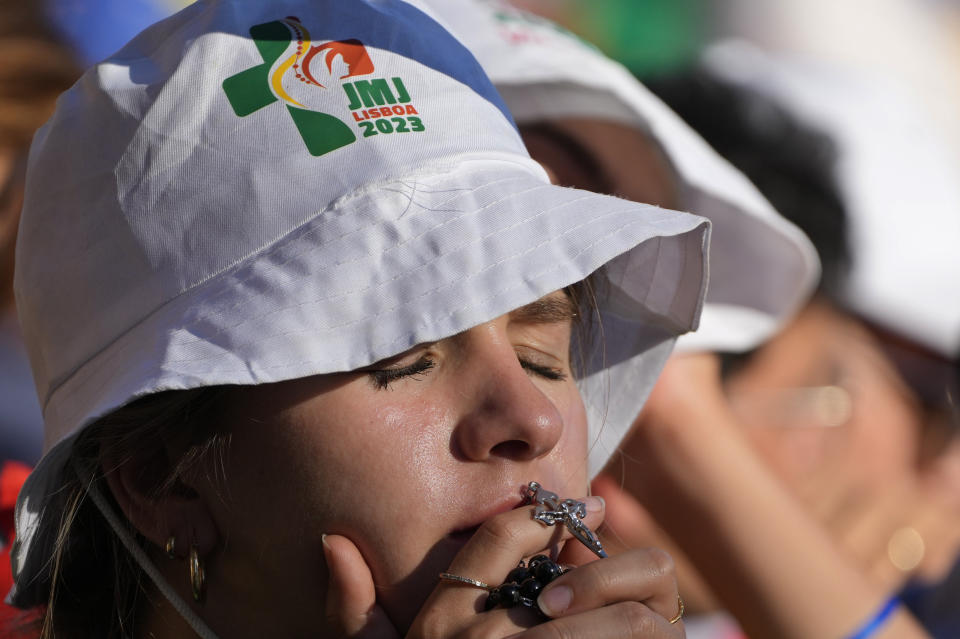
(823, 402)
(406, 458)
(833, 416)
(604, 157)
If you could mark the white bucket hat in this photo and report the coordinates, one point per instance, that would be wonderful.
(253, 192)
(762, 268)
(899, 182)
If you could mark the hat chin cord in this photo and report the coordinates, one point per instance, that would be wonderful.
(191, 617)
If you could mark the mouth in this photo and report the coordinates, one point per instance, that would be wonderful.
(465, 532)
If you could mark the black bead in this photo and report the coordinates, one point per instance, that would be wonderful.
(547, 572)
(517, 575)
(536, 561)
(509, 594)
(493, 599)
(531, 588)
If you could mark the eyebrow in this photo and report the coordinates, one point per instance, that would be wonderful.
(546, 310)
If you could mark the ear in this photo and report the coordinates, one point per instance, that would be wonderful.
(181, 512)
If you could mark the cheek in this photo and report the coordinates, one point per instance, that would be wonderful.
(350, 465)
(570, 456)
(376, 467)
(575, 417)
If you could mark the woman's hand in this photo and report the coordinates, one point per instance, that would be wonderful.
(630, 595)
(351, 608)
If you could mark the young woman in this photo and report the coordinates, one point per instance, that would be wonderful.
(306, 320)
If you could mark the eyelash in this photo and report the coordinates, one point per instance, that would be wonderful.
(383, 378)
(546, 372)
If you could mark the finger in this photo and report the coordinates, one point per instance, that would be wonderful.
(501, 542)
(645, 575)
(619, 621)
(351, 597)
(493, 551)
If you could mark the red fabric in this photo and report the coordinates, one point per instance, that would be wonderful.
(12, 476)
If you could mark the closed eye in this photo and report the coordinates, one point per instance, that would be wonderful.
(546, 372)
(384, 377)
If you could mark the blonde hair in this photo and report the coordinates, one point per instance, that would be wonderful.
(88, 559)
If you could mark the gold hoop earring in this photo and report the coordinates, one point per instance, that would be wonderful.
(198, 577)
(170, 547)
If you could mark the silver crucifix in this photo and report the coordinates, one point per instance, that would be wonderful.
(551, 510)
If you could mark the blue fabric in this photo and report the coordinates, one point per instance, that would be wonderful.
(97, 28)
(936, 606)
(21, 423)
(385, 24)
(874, 623)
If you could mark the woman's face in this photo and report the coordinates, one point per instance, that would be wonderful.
(822, 399)
(405, 458)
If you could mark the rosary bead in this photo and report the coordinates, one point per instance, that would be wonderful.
(494, 599)
(518, 575)
(510, 595)
(531, 588)
(547, 572)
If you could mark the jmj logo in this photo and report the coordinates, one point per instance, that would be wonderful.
(300, 74)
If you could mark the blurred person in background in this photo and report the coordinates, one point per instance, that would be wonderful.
(34, 69)
(854, 404)
(589, 121)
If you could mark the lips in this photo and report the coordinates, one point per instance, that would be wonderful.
(465, 531)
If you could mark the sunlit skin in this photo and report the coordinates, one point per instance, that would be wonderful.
(405, 459)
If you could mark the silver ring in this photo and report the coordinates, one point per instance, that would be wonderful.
(447, 576)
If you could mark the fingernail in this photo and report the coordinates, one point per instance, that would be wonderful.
(554, 601)
(594, 503)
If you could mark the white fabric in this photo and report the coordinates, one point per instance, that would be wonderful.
(173, 238)
(911, 42)
(759, 261)
(899, 183)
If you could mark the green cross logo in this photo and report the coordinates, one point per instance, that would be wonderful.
(253, 89)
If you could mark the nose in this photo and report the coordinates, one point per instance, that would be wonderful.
(506, 415)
